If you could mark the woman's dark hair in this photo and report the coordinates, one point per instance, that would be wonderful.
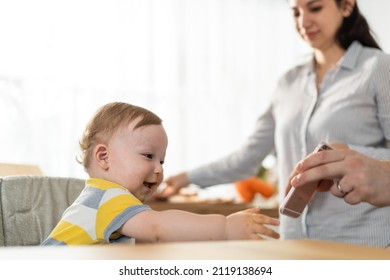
(355, 28)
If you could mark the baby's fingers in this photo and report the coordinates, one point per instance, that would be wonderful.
(263, 219)
(265, 231)
(254, 235)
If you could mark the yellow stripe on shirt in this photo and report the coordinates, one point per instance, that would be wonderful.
(71, 234)
(102, 184)
(111, 209)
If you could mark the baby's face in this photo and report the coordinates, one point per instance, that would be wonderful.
(136, 158)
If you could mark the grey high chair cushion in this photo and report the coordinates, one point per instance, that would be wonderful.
(31, 206)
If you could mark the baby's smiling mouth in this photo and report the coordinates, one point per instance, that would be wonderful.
(150, 185)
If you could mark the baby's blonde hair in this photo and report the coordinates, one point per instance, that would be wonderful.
(107, 120)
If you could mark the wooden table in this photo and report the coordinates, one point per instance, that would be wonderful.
(208, 250)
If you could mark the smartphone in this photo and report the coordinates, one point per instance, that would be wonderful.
(297, 198)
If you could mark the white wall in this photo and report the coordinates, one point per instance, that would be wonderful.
(207, 67)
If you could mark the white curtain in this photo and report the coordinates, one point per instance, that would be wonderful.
(207, 67)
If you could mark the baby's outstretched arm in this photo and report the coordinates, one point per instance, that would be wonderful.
(176, 225)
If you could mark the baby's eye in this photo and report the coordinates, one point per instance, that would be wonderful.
(149, 156)
(162, 162)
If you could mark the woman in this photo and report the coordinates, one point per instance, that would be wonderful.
(340, 96)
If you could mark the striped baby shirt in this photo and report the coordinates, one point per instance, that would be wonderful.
(95, 216)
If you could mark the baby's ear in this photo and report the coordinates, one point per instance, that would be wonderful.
(101, 156)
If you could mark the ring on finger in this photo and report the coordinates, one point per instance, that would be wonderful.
(340, 189)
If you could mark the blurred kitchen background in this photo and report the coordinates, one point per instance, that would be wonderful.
(206, 67)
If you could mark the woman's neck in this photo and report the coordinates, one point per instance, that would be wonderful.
(324, 60)
(328, 58)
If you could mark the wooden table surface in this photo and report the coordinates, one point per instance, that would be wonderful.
(208, 250)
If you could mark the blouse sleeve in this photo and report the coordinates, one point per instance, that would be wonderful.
(381, 85)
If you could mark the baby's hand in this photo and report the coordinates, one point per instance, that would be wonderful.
(249, 224)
